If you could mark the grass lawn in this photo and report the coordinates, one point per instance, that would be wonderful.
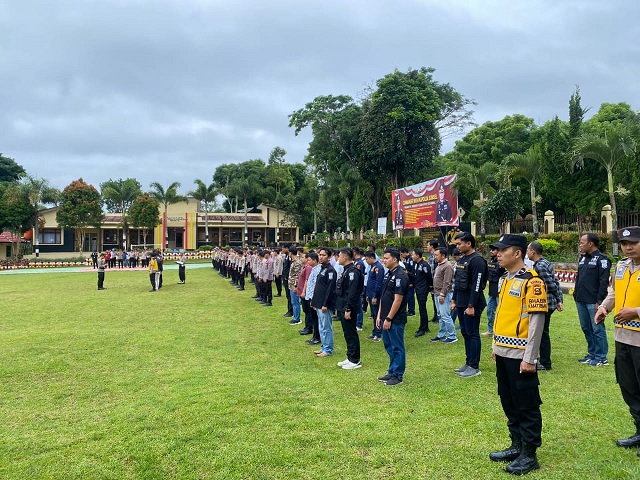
(199, 381)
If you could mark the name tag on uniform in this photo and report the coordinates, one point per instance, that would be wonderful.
(516, 288)
(331, 276)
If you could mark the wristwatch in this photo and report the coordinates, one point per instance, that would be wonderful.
(387, 319)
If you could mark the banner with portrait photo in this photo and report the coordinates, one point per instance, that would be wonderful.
(429, 204)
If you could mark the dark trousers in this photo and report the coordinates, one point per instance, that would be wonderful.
(314, 323)
(152, 279)
(242, 281)
(421, 298)
(545, 342)
(181, 272)
(285, 282)
(520, 398)
(627, 364)
(435, 308)
(351, 337)
(376, 332)
(100, 279)
(278, 280)
(306, 308)
(470, 329)
(268, 290)
(411, 301)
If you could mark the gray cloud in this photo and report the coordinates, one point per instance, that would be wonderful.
(168, 90)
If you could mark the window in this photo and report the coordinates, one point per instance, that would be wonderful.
(109, 236)
(50, 236)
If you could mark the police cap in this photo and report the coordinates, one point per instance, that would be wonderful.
(508, 240)
(632, 234)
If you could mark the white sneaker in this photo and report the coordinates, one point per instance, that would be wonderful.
(343, 362)
(351, 366)
(359, 329)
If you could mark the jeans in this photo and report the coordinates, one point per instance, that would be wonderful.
(393, 340)
(492, 304)
(326, 330)
(470, 328)
(360, 317)
(295, 304)
(595, 334)
(447, 328)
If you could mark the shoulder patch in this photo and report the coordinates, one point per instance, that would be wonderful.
(398, 282)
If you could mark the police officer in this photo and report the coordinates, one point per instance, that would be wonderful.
(392, 317)
(100, 265)
(624, 302)
(286, 267)
(348, 305)
(399, 213)
(324, 301)
(516, 341)
(468, 297)
(423, 284)
(444, 214)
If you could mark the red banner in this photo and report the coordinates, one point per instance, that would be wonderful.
(429, 204)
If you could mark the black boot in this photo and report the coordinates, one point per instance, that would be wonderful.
(526, 462)
(631, 442)
(510, 453)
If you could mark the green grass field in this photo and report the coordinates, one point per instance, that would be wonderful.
(198, 381)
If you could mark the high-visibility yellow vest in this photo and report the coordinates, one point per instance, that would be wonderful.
(627, 293)
(519, 296)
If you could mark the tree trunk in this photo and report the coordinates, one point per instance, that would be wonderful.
(346, 206)
(206, 222)
(245, 237)
(614, 211)
(315, 220)
(534, 211)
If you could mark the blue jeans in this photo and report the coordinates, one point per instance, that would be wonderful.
(595, 334)
(393, 340)
(492, 305)
(447, 328)
(295, 303)
(360, 317)
(325, 327)
(470, 328)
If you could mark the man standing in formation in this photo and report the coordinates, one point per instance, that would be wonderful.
(324, 301)
(348, 304)
(443, 290)
(544, 269)
(392, 317)
(624, 302)
(516, 341)
(374, 291)
(468, 299)
(422, 284)
(590, 291)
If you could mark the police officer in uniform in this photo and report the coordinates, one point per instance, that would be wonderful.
(348, 305)
(468, 298)
(392, 317)
(444, 214)
(423, 284)
(494, 272)
(516, 341)
(624, 302)
(399, 213)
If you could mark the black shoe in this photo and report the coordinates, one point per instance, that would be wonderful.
(102, 288)
(153, 290)
(287, 315)
(304, 331)
(631, 442)
(434, 320)
(255, 296)
(267, 304)
(510, 453)
(384, 378)
(540, 367)
(411, 314)
(393, 381)
(526, 462)
(241, 289)
(278, 295)
(419, 333)
(313, 341)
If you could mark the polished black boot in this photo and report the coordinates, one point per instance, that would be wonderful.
(510, 453)
(526, 462)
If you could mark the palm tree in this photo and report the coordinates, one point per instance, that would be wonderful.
(478, 179)
(166, 197)
(39, 191)
(528, 165)
(204, 194)
(246, 187)
(119, 195)
(616, 144)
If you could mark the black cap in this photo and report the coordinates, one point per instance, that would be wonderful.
(508, 240)
(631, 234)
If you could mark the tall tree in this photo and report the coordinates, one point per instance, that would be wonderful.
(80, 208)
(609, 149)
(10, 171)
(38, 192)
(145, 213)
(576, 114)
(15, 212)
(206, 194)
(528, 166)
(166, 197)
(502, 207)
(479, 180)
(118, 195)
(281, 182)
(248, 186)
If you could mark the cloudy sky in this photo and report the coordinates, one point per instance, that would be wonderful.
(166, 90)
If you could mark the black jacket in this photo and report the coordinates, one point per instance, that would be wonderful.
(324, 293)
(593, 278)
(349, 289)
(470, 281)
